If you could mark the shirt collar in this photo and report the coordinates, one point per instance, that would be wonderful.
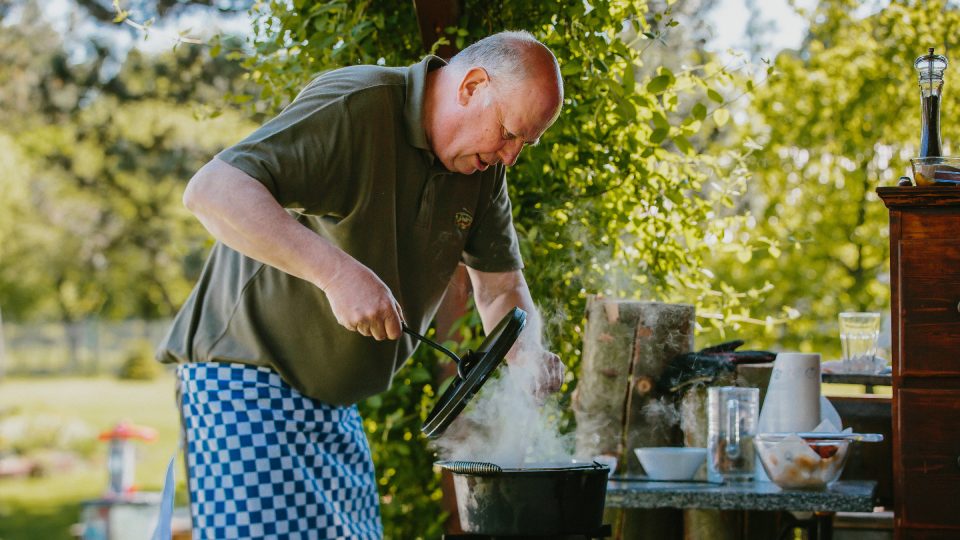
(416, 94)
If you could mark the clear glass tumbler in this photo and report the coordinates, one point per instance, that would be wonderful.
(732, 425)
(859, 332)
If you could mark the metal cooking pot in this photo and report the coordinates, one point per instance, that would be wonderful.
(540, 499)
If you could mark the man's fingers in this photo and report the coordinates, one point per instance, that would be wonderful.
(393, 328)
(393, 324)
(554, 373)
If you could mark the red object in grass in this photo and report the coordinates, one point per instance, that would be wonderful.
(126, 430)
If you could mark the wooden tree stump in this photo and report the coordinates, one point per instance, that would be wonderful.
(617, 405)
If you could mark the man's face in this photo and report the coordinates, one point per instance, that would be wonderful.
(495, 123)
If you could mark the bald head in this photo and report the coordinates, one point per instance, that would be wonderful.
(491, 100)
(514, 60)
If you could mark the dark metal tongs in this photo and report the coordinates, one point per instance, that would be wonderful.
(463, 364)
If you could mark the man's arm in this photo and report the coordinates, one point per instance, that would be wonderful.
(496, 293)
(240, 212)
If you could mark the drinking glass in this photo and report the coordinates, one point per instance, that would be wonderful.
(859, 332)
(732, 417)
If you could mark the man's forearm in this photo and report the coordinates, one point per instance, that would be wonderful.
(496, 294)
(240, 212)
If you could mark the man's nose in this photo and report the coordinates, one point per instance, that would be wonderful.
(510, 151)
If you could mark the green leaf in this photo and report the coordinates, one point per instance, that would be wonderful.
(714, 95)
(571, 68)
(659, 120)
(699, 111)
(628, 81)
(659, 84)
(420, 374)
(721, 116)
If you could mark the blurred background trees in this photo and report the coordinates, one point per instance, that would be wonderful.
(93, 226)
(841, 118)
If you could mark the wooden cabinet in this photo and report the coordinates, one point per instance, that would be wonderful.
(925, 309)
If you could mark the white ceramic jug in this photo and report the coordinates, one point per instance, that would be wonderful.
(792, 402)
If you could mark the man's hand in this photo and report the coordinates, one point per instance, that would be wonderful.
(545, 369)
(363, 303)
(551, 373)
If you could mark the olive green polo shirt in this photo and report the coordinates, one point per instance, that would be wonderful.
(349, 159)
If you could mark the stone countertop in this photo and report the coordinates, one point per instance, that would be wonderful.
(639, 492)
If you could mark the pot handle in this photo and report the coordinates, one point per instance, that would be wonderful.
(471, 467)
(456, 359)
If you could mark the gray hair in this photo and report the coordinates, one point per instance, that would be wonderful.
(504, 56)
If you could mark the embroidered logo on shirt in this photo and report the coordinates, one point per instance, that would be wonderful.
(463, 219)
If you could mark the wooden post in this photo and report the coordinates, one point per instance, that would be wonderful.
(627, 345)
(716, 524)
(704, 524)
(432, 17)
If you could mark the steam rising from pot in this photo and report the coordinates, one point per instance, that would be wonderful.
(507, 423)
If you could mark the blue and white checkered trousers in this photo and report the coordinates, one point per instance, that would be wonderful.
(264, 461)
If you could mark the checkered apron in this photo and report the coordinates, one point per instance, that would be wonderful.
(264, 461)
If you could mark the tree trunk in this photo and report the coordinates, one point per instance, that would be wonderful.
(617, 406)
(3, 350)
(71, 330)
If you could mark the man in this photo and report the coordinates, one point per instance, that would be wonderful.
(337, 222)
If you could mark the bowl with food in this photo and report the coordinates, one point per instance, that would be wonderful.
(806, 460)
(939, 170)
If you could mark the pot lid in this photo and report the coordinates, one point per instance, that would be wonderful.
(472, 371)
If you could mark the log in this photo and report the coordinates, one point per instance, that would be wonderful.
(617, 406)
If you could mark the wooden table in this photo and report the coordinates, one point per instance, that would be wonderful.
(868, 381)
(843, 496)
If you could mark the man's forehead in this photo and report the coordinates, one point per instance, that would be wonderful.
(526, 120)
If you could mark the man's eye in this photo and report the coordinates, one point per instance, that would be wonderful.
(508, 136)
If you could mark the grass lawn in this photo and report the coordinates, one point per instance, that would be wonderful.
(44, 508)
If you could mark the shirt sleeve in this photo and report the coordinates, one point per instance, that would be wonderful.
(302, 155)
(492, 245)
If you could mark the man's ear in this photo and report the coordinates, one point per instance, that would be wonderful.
(473, 79)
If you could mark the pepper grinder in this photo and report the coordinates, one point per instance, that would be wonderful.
(930, 67)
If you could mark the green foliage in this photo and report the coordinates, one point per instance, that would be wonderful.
(139, 364)
(617, 199)
(101, 165)
(841, 118)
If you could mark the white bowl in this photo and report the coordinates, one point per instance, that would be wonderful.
(671, 462)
